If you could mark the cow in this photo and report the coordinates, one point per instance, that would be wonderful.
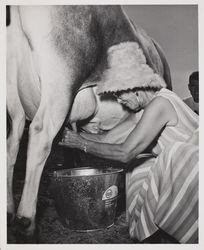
(55, 57)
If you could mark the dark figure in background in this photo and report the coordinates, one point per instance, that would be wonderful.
(193, 86)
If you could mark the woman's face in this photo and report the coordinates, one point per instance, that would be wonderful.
(135, 100)
(130, 100)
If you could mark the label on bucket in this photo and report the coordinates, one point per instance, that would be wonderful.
(110, 193)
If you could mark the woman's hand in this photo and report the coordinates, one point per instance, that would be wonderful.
(72, 140)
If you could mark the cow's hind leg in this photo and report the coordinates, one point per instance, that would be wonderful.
(17, 123)
(43, 129)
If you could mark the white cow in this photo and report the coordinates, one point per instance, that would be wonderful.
(51, 52)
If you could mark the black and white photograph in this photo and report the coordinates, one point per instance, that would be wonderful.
(101, 120)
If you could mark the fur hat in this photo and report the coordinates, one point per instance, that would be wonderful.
(127, 69)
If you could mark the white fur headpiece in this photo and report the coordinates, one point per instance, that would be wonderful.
(127, 69)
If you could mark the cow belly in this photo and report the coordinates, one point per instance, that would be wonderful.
(109, 114)
(111, 122)
(117, 134)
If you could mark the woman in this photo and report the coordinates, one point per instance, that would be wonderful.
(163, 192)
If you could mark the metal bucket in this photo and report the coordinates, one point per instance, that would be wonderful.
(86, 198)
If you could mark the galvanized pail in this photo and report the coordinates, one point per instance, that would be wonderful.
(86, 198)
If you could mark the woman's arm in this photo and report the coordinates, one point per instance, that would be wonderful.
(119, 133)
(93, 137)
(155, 117)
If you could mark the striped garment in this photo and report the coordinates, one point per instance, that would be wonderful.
(162, 192)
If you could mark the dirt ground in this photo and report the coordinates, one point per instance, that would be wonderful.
(50, 229)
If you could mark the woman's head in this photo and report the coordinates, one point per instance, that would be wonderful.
(129, 99)
(135, 99)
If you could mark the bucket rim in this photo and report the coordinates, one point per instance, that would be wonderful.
(115, 171)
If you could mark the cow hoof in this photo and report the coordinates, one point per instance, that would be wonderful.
(22, 222)
(10, 219)
(24, 234)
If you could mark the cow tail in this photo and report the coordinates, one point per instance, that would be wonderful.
(167, 72)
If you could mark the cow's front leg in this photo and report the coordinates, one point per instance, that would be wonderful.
(43, 129)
